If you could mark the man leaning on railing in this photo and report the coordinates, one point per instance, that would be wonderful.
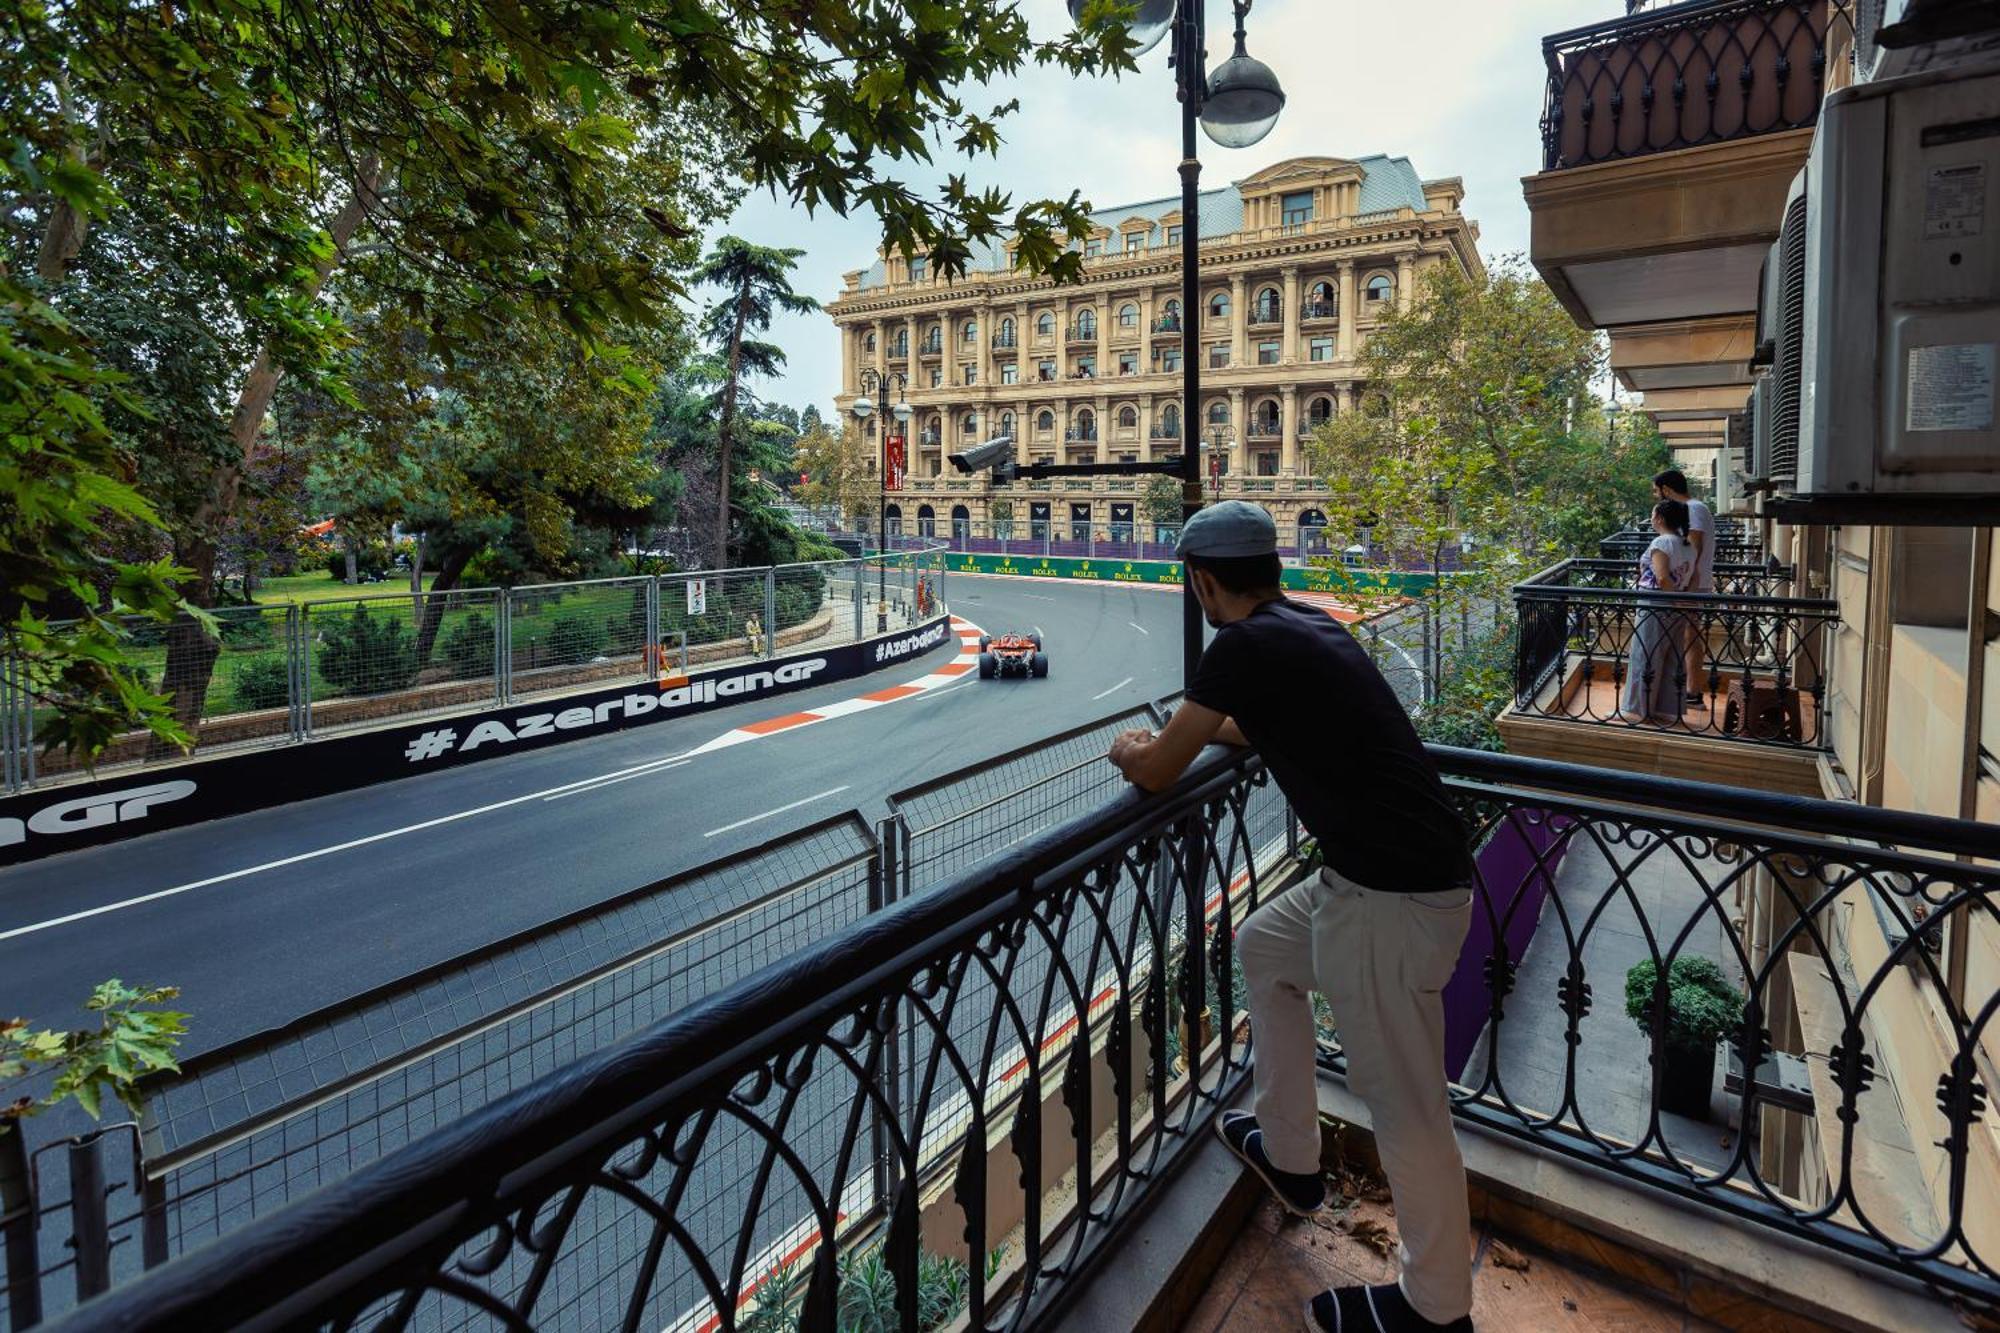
(1378, 931)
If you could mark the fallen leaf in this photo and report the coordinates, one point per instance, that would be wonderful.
(1504, 1255)
(1372, 1234)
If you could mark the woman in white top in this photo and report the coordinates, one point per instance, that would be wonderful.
(1653, 684)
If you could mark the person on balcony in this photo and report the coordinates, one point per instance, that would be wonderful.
(1378, 931)
(1673, 485)
(1660, 630)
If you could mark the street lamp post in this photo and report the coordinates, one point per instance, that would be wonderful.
(1236, 107)
(873, 381)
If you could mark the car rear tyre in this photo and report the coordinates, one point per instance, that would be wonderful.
(1036, 639)
(1038, 665)
(985, 642)
(989, 666)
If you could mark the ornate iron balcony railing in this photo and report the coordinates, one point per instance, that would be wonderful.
(1731, 547)
(737, 1159)
(1594, 649)
(1687, 75)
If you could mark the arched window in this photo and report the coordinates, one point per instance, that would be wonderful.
(902, 348)
(1170, 421)
(934, 429)
(1045, 420)
(1086, 424)
(868, 342)
(1264, 418)
(961, 522)
(1086, 323)
(969, 423)
(1380, 288)
(1128, 416)
(871, 428)
(1218, 306)
(1007, 424)
(934, 333)
(926, 521)
(1323, 298)
(1319, 411)
(1007, 330)
(1269, 307)
(1045, 323)
(1174, 308)
(970, 333)
(1128, 316)
(1375, 405)
(1218, 413)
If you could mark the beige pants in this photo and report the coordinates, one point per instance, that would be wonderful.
(1381, 960)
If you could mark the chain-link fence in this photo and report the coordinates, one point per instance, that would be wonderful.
(281, 674)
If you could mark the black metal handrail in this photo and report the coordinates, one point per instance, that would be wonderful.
(1593, 649)
(1688, 75)
(1050, 946)
(1319, 310)
(1167, 324)
(1729, 549)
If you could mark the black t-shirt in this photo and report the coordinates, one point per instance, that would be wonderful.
(1339, 745)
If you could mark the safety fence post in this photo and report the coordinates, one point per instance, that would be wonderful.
(653, 656)
(771, 612)
(503, 648)
(90, 1231)
(860, 597)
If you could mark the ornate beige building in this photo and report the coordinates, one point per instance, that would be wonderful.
(1298, 261)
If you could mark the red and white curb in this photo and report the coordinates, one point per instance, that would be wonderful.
(949, 674)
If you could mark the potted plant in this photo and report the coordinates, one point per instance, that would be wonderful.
(1702, 1008)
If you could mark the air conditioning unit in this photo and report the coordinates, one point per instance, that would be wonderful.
(1897, 288)
(1781, 323)
(1893, 38)
(1757, 463)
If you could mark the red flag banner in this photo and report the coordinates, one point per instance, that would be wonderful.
(893, 463)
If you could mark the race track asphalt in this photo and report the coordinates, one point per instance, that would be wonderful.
(262, 947)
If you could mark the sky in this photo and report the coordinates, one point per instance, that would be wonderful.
(1453, 85)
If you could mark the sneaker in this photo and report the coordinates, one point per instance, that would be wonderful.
(1302, 1194)
(1382, 1309)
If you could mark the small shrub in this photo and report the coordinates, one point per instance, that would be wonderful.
(262, 682)
(248, 631)
(467, 647)
(1702, 1007)
(363, 654)
(574, 637)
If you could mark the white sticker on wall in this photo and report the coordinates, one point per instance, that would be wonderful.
(1955, 201)
(1951, 387)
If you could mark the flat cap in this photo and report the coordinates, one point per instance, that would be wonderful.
(1232, 528)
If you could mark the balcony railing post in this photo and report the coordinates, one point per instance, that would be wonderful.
(19, 1222)
(90, 1231)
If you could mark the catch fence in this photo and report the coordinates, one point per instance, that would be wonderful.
(283, 675)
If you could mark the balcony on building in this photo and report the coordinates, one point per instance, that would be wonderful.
(1316, 312)
(1005, 342)
(1670, 137)
(931, 346)
(1076, 334)
(1266, 314)
(1727, 687)
(1266, 427)
(1167, 326)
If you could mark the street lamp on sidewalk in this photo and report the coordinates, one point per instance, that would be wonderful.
(1236, 107)
(873, 381)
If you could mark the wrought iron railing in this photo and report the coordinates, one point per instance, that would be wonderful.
(1080, 333)
(1730, 548)
(1167, 324)
(752, 1159)
(1312, 310)
(1687, 75)
(1593, 649)
(947, 1045)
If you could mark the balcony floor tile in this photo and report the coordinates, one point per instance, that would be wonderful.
(1281, 1262)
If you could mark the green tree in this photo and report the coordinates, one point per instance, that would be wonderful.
(840, 471)
(493, 147)
(756, 285)
(1162, 501)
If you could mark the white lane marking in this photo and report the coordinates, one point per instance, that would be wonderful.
(611, 782)
(820, 796)
(932, 694)
(1141, 628)
(1113, 690)
(318, 852)
(1037, 597)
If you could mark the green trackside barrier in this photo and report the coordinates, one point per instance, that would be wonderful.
(1169, 572)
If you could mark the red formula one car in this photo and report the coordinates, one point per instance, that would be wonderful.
(1012, 655)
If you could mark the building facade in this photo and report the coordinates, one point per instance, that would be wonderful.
(1298, 262)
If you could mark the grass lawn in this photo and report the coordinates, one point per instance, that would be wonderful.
(320, 586)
